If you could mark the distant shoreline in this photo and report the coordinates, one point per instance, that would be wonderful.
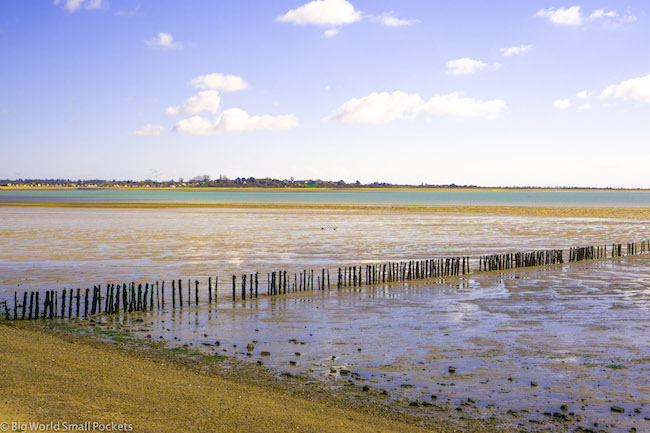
(254, 188)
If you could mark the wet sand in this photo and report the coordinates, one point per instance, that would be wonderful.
(50, 376)
(577, 331)
(538, 211)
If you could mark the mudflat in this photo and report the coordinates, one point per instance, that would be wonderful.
(56, 378)
(536, 211)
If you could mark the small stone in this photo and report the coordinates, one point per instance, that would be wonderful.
(617, 409)
(217, 343)
(344, 372)
(148, 335)
(205, 335)
(260, 363)
(533, 384)
(297, 353)
(510, 379)
(452, 370)
(564, 408)
(292, 362)
(434, 397)
(266, 354)
(359, 350)
(250, 347)
(383, 392)
(469, 400)
(139, 320)
(366, 388)
(427, 403)
(254, 341)
(637, 410)
(332, 370)
(414, 403)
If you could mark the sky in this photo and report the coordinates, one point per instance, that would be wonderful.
(500, 93)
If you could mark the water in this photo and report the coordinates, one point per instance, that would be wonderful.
(403, 197)
(53, 248)
(578, 331)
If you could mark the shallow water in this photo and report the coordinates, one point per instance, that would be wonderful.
(50, 248)
(404, 197)
(579, 331)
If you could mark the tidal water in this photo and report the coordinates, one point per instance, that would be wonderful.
(399, 197)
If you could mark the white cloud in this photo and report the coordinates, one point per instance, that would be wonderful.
(384, 107)
(165, 41)
(453, 105)
(323, 13)
(74, 5)
(206, 100)
(583, 94)
(562, 104)
(390, 20)
(515, 51)
(224, 82)
(636, 89)
(465, 66)
(378, 107)
(585, 106)
(151, 129)
(573, 17)
(562, 16)
(601, 13)
(235, 120)
(330, 33)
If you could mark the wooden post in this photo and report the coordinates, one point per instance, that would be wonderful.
(257, 282)
(173, 294)
(35, 307)
(243, 286)
(180, 293)
(162, 294)
(209, 290)
(196, 291)
(233, 288)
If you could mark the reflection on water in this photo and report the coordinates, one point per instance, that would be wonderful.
(48, 248)
(579, 331)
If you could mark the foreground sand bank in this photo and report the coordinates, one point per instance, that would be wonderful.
(541, 211)
(50, 377)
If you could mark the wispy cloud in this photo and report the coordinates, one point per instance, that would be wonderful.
(164, 41)
(75, 5)
(516, 50)
(635, 89)
(390, 20)
(465, 66)
(562, 16)
(218, 81)
(573, 17)
(562, 104)
(150, 129)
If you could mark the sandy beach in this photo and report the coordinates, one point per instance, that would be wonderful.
(59, 375)
(541, 211)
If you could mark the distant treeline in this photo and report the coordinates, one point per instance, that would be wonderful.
(240, 182)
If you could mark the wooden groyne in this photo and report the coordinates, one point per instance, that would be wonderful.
(123, 298)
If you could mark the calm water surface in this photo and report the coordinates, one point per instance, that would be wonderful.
(447, 197)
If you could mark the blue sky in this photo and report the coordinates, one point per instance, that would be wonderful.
(469, 92)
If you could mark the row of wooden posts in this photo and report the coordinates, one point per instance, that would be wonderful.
(129, 297)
